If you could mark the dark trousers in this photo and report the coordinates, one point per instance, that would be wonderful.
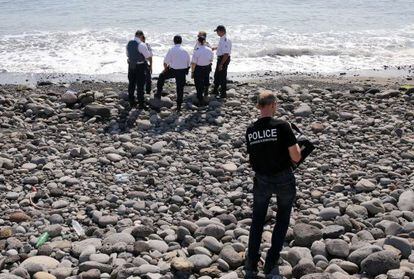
(148, 82)
(220, 77)
(202, 80)
(179, 76)
(136, 78)
(283, 186)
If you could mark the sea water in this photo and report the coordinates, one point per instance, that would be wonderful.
(323, 36)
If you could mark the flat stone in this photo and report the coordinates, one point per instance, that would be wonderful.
(44, 261)
(304, 110)
(97, 110)
(19, 217)
(113, 157)
(182, 264)
(230, 167)
(329, 213)
(364, 185)
(117, 238)
(43, 275)
(158, 245)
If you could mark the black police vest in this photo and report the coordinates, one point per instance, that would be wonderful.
(133, 54)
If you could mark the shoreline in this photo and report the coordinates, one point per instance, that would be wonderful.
(31, 79)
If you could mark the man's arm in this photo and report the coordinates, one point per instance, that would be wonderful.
(167, 60)
(143, 49)
(294, 153)
(223, 61)
(150, 64)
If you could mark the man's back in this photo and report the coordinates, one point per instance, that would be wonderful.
(268, 141)
(177, 58)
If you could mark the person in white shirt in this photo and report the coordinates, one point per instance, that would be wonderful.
(148, 70)
(201, 34)
(223, 61)
(176, 65)
(137, 53)
(201, 68)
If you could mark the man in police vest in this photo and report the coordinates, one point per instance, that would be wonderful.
(272, 147)
(137, 53)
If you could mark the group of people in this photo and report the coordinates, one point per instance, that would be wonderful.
(271, 144)
(177, 64)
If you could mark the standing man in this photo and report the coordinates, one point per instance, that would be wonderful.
(201, 68)
(176, 65)
(137, 53)
(272, 147)
(223, 61)
(148, 69)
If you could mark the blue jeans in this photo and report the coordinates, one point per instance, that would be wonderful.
(283, 185)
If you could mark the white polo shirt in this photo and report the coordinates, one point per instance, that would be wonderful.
(177, 58)
(224, 46)
(203, 56)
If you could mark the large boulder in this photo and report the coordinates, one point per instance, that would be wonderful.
(92, 110)
(406, 201)
(306, 234)
(380, 262)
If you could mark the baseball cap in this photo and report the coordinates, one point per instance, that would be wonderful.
(220, 28)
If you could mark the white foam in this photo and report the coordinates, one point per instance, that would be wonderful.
(255, 48)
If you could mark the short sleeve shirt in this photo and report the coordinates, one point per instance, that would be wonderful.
(224, 46)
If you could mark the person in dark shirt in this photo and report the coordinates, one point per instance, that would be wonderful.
(272, 147)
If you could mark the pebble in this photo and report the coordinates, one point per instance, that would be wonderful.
(185, 207)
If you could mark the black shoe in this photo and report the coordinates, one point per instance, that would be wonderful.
(132, 103)
(215, 91)
(223, 96)
(250, 274)
(142, 106)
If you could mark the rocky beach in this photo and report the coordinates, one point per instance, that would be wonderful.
(158, 194)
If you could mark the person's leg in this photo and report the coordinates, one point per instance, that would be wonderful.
(217, 77)
(261, 200)
(223, 79)
(132, 79)
(141, 84)
(285, 192)
(148, 82)
(180, 83)
(166, 74)
(198, 82)
(206, 80)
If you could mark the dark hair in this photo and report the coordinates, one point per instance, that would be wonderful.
(177, 39)
(139, 33)
(201, 39)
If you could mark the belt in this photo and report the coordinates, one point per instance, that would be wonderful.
(139, 63)
(285, 171)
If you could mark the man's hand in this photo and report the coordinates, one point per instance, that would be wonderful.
(220, 68)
